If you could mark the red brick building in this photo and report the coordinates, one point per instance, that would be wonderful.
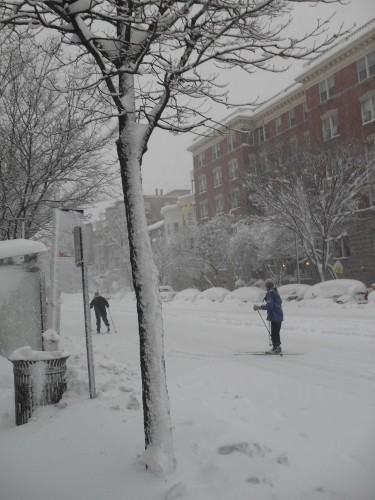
(332, 100)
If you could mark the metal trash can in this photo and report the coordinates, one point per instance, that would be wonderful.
(37, 383)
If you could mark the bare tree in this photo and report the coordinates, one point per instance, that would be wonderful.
(149, 58)
(311, 194)
(50, 152)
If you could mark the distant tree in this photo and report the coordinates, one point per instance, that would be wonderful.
(51, 154)
(159, 62)
(311, 194)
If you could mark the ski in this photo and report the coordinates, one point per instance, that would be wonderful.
(265, 353)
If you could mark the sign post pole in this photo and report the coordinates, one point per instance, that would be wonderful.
(81, 261)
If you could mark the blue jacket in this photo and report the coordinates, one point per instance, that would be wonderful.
(273, 305)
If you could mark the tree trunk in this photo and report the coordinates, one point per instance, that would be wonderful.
(157, 422)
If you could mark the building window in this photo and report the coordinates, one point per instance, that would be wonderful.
(233, 169)
(219, 204)
(307, 138)
(292, 118)
(175, 227)
(264, 162)
(293, 145)
(366, 66)
(370, 157)
(341, 247)
(278, 125)
(368, 109)
(235, 198)
(250, 138)
(204, 209)
(231, 141)
(252, 163)
(216, 151)
(305, 112)
(263, 133)
(330, 126)
(201, 159)
(202, 183)
(217, 177)
(327, 89)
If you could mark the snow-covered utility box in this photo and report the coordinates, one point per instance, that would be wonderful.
(22, 295)
(39, 380)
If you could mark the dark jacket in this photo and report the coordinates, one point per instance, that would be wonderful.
(99, 304)
(273, 305)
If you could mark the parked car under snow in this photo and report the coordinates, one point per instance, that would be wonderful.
(294, 291)
(341, 291)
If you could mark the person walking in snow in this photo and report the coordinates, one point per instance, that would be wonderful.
(274, 314)
(100, 304)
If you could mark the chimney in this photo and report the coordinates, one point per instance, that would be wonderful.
(156, 191)
(161, 192)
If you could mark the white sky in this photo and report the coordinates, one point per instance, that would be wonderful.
(167, 164)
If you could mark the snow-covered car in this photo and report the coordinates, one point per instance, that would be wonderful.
(341, 291)
(215, 294)
(246, 294)
(187, 295)
(293, 291)
(166, 293)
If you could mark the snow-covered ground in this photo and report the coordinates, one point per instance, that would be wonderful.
(297, 427)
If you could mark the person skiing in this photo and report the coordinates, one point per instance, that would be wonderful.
(274, 314)
(99, 304)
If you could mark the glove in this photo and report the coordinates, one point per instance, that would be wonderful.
(256, 307)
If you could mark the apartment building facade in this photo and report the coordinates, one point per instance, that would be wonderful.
(331, 101)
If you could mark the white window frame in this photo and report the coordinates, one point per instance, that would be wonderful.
(342, 244)
(252, 162)
(231, 141)
(263, 133)
(278, 125)
(203, 205)
(233, 169)
(330, 126)
(201, 159)
(292, 117)
(264, 161)
(250, 138)
(216, 151)
(202, 183)
(305, 112)
(219, 204)
(218, 177)
(368, 109)
(370, 157)
(327, 89)
(235, 199)
(366, 66)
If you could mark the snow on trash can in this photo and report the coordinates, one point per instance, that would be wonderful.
(39, 380)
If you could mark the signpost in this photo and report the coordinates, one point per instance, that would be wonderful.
(83, 249)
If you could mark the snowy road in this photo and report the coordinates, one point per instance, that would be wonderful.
(244, 426)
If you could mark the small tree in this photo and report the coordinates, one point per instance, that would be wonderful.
(311, 194)
(149, 58)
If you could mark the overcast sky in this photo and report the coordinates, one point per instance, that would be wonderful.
(167, 164)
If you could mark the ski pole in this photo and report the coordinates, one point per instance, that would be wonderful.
(110, 315)
(268, 330)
